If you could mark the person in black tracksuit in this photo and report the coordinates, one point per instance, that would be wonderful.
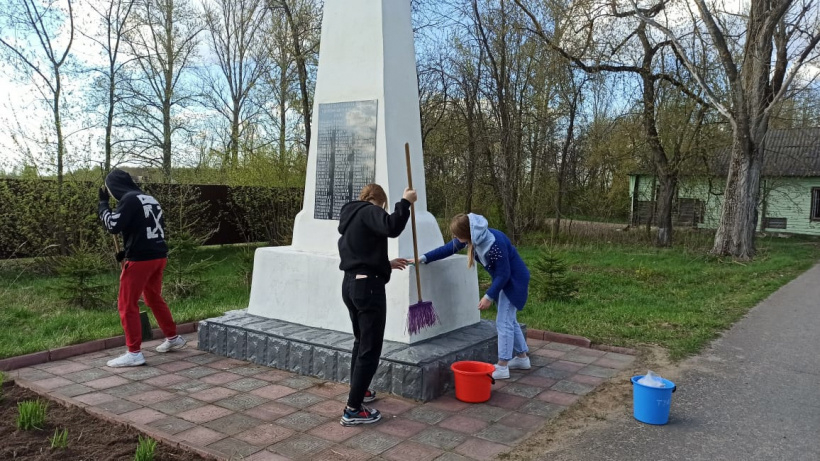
(365, 227)
(138, 217)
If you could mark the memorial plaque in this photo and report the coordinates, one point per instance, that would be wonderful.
(345, 154)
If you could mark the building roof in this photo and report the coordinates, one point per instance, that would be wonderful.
(788, 153)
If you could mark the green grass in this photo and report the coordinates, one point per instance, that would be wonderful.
(59, 439)
(629, 294)
(31, 414)
(145, 449)
(34, 318)
(676, 298)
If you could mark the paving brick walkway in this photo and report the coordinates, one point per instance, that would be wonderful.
(230, 409)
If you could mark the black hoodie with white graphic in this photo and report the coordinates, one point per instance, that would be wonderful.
(138, 217)
(365, 228)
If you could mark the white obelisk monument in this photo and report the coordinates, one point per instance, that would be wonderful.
(366, 108)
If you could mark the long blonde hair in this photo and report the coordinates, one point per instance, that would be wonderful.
(374, 193)
(460, 228)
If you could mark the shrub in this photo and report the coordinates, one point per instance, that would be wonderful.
(39, 217)
(79, 284)
(145, 449)
(31, 414)
(189, 223)
(186, 268)
(551, 279)
(264, 214)
(60, 438)
(244, 264)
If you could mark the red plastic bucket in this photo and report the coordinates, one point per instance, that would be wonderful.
(473, 380)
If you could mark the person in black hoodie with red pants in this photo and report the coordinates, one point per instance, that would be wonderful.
(365, 227)
(138, 217)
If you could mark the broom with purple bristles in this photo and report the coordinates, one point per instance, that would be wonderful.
(422, 314)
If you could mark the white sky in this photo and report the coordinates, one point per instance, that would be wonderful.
(83, 143)
(21, 104)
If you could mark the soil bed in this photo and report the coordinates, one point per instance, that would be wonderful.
(89, 438)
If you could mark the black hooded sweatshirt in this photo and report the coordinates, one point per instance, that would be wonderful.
(365, 228)
(138, 217)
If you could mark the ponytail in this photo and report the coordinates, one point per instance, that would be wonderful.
(460, 228)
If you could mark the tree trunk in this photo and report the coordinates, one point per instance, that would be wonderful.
(752, 88)
(58, 126)
(634, 205)
(166, 138)
(653, 199)
(751, 94)
(283, 106)
(109, 120)
(665, 199)
(301, 67)
(556, 225)
(235, 134)
(472, 145)
(168, 92)
(735, 235)
(667, 174)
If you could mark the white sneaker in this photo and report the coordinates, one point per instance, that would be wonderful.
(127, 360)
(519, 363)
(501, 372)
(172, 344)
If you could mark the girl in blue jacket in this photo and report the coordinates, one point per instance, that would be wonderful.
(509, 288)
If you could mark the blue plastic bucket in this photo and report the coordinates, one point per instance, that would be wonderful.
(651, 404)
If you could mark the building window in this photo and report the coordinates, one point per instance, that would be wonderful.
(815, 204)
(775, 223)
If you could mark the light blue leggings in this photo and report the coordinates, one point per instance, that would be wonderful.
(510, 338)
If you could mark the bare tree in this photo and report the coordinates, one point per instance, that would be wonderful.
(573, 100)
(236, 30)
(596, 37)
(28, 22)
(281, 83)
(163, 43)
(32, 21)
(303, 24)
(488, 112)
(759, 63)
(113, 18)
(510, 69)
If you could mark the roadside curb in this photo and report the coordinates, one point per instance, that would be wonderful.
(579, 341)
(544, 335)
(60, 353)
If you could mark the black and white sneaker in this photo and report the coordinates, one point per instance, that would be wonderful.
(369, 396)
(363, 416)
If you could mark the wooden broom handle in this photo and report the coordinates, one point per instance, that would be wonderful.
(117, 248)
(413, 219)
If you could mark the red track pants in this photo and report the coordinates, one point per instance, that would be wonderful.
(143, 278)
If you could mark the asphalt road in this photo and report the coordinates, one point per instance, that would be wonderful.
(753, 395)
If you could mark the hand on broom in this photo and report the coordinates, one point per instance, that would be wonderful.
(399, 263)
(410, 195)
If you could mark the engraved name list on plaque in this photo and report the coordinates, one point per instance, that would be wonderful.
(345, 154)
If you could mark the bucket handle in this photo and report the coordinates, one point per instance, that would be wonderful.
(493, 379)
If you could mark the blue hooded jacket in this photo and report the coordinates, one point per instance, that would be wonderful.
(494, 251)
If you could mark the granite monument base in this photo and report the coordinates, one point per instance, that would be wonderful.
(419, 371)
